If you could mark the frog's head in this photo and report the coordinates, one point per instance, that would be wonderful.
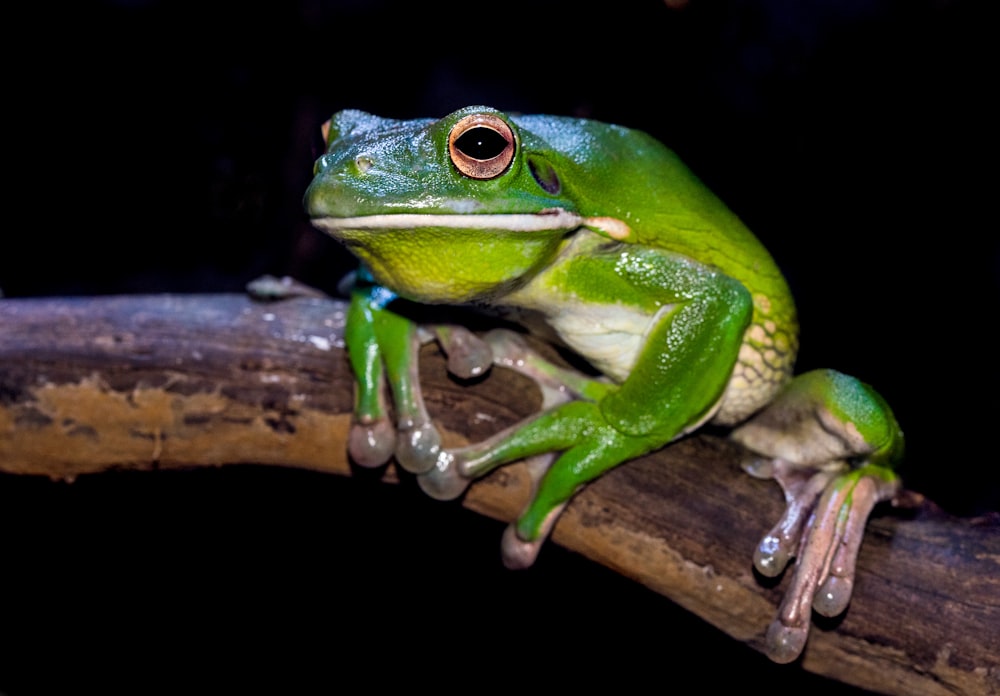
(448, 210)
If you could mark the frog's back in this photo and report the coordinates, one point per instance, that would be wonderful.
(701, 226)
(646, 186)
(687, 218)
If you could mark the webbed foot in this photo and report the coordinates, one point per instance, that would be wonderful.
(535, 441)
(385, 351)
(418, 447)
(454, 470)
(823, 526)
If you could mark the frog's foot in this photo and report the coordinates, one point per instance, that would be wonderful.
(830, 442)
(418, 443)
(825, 532)
(454, 470)
(452, 476)
(802, 488)
(559, 463)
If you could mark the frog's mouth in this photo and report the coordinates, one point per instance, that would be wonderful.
(549, 220)
(553, 219)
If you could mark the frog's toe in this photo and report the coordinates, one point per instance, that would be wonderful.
(443, 481)
(468, 355)
(418, 447)
(834, 592)
(758, 467)
(371, 444)
(773, 553)
(802, 487)
(834, 595)
(518, 553)
(522, 540)
(785, 643)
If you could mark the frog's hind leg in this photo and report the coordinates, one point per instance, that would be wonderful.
(831, 442)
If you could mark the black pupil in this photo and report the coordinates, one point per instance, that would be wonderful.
(481, 143)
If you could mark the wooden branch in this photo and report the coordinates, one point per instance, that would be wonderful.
(169, 382)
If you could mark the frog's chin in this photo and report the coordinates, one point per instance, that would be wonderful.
(483, 254)
(546, 220)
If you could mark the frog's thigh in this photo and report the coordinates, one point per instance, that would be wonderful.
(823, 416)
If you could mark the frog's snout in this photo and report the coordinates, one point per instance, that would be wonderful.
(340, 185)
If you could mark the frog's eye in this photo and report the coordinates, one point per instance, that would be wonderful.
(481, 146)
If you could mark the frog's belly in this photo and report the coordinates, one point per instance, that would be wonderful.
(611, 337)
(608, 336)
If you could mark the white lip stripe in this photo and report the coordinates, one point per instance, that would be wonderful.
(517, 222)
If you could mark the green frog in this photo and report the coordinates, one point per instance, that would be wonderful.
(599, 238)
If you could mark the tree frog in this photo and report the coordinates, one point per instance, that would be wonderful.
(596, 236)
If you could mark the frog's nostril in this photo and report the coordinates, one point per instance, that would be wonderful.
(363, 163)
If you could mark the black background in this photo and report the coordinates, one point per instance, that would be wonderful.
(164, 147)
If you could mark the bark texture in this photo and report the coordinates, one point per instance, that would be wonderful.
(93, 384)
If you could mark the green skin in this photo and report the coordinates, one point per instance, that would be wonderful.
(601, 238)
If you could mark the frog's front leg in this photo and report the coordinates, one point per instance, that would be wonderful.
(383, 348)
(831, 443)
(568, 408)
(589, 446)
(665, 395)
(372, 437)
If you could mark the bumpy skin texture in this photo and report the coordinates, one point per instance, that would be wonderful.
(601, 239)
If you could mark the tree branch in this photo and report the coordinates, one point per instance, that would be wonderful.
(166, 382)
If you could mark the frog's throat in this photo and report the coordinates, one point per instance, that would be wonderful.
(556, 219)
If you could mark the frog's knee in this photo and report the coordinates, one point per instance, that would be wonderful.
(824, 416)
(863, 418)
